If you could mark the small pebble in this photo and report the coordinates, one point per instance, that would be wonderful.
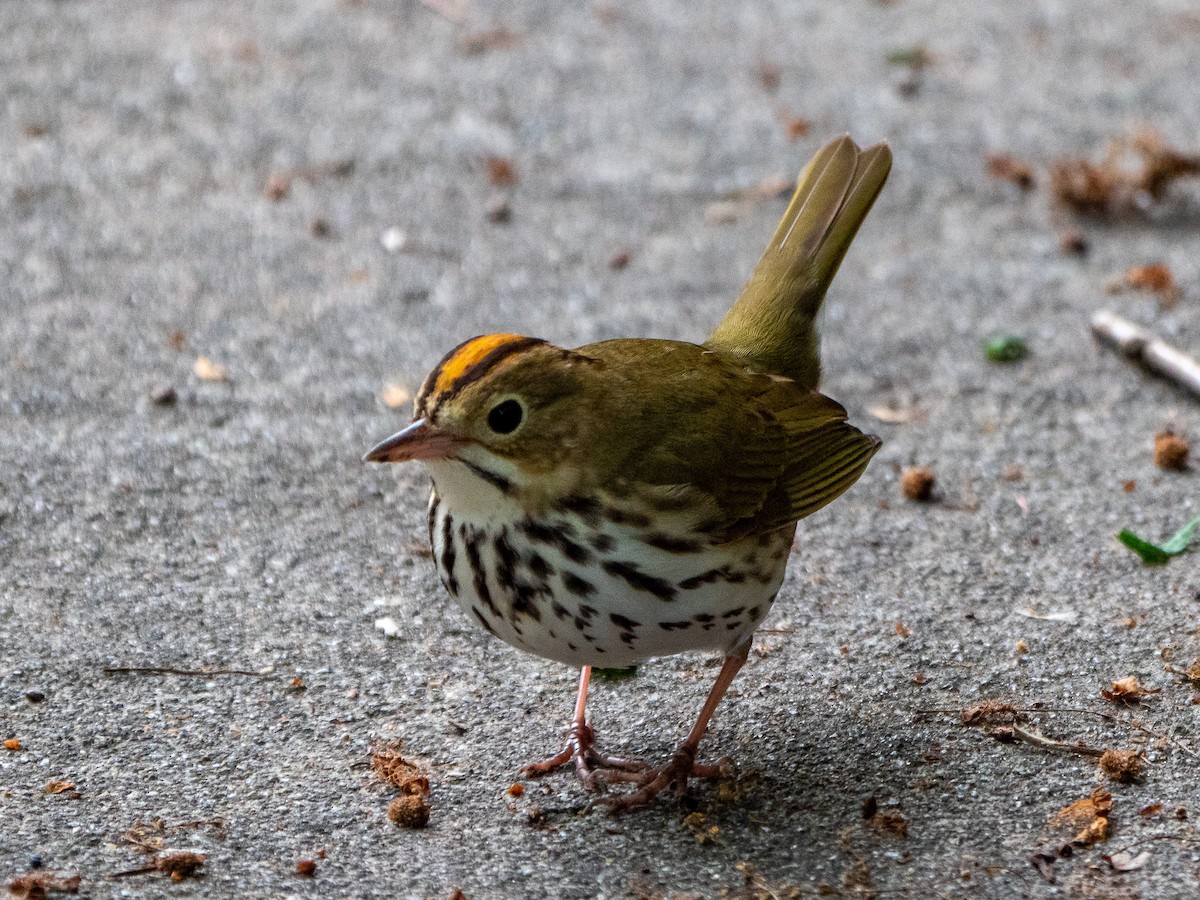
(394, 239)
(165, 395)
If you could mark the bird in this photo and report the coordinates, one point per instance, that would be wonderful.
(638, 498)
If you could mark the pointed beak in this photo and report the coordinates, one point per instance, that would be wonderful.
(420, 440)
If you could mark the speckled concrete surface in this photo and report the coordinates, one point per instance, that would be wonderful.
(237, 528)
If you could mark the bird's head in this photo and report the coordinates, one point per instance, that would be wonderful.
(510, 408)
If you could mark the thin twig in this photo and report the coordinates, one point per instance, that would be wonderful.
(167, 670)
(1132, 723)
(1111, 717)
(1039, 740)
(1147, 350)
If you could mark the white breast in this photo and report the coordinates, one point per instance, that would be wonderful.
(577, 587)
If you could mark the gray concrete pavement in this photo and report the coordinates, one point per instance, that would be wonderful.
(237, 528)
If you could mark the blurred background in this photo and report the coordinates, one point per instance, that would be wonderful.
(235, 236)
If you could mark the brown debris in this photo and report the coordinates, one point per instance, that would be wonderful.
(1149, 812)
(1128, 690)
(990, 712)
(1192, 673)
(1154, 278)
(1009, 168)
(797, 128)
(489, 39)
(58, 786)
(1171, 451)
(887, 821)
(411, 809)
(917, 482)
(705, 834)
(306, 868)
(319, 228)
(501, 171)
(620, 260)
(1134, 173)
(770, 75)
(179, 864)
(1090, 815)
(1122, 766)
(278, 187)
(1073, 242)
(13, 744)
(37, 885)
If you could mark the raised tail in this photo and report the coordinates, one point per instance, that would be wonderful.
(773, 324)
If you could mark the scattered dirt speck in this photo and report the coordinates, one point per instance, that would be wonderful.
(917, 483)
(1171, 451)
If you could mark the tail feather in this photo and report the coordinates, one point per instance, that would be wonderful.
(773, 324)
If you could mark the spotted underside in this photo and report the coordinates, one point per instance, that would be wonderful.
(594, 583)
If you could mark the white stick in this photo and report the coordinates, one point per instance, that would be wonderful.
(1144, 348)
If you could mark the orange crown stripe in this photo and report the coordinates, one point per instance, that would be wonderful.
(469, 355)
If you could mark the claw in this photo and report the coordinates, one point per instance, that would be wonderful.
(595, 769)
(674, 773)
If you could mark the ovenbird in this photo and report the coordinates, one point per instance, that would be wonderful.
(638, 498)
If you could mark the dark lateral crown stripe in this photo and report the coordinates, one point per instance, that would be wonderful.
(470, 361)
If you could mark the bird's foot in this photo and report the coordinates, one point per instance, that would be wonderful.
(595, 769)
(674, 773)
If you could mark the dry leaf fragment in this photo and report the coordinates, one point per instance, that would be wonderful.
(12, 744)
(37, 885)
(1126, 861)
(1128, 690)
(58, 786)
(207, 370)
(394, 396)
(1192, 673)
(1091, 814)
(1149, 812)
(1133, 173)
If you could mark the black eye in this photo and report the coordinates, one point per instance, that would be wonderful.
(505, 417)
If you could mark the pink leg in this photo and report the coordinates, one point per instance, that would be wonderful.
(591, 766)
(682, 764)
